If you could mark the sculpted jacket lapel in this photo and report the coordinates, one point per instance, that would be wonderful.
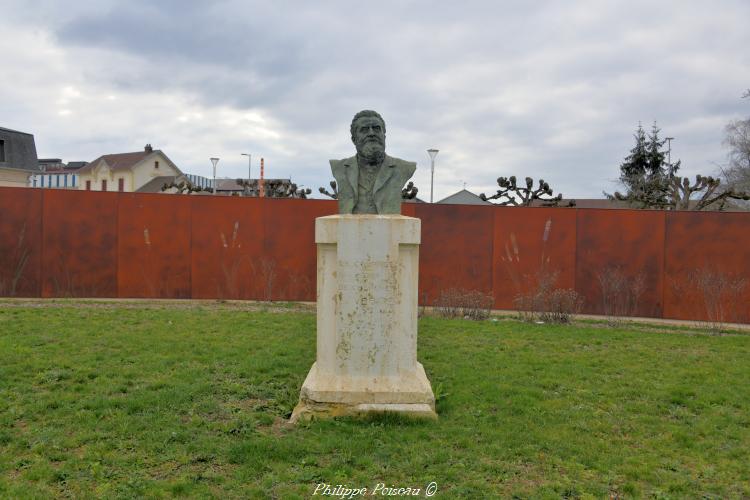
(352, 174)
(386, 171)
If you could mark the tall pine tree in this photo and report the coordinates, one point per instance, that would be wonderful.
(646, 172)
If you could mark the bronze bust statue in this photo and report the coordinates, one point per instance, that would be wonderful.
(370, 182)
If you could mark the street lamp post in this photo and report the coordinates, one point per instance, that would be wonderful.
(214, 161)
(249, 165)
(433, 153)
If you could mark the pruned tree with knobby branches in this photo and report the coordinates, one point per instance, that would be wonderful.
(708, 188)
(408, 193)
(186, 187)
(706, 193)
(273, 188)
(510, 193)
(334, 193)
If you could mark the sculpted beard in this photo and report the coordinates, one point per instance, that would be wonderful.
(372, 149)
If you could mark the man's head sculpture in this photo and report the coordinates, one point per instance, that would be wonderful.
(371, 181)
(368, 136)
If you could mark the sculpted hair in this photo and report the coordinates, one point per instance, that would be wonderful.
(365, 113)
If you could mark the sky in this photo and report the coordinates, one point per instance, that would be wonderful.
(545, 89)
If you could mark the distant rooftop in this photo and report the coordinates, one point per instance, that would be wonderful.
(18, 150)
(463, 197)
(122, 161)
(3, 129)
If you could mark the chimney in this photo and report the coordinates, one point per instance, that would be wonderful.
(148, 148)
(261, 183)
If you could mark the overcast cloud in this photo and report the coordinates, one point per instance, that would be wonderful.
(551, 89)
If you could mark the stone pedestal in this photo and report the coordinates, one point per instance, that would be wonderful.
(367, 320)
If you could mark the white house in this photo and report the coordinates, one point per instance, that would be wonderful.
(127, 172)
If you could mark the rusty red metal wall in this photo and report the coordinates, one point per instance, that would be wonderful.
(288, 268)
(153, 246)
(20, 242)
(456, 249)
(620, 243)
(707, 266)
(56, 243)
(531, 245)
(227, 247)
(79, 235)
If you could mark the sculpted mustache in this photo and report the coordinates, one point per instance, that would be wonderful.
(372, 138)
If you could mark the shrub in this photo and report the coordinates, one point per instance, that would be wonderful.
(561, 305)
(552, 305)
(461, 303)
(719, 294)
(620, 293)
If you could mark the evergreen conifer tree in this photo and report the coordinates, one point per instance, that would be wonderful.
(636, 163)
(646, 173)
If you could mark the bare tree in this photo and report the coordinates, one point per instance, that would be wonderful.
(711, 195)
(677, 193)
(272, 188)
(186, 187)
(737, 140)
(334, 193)
(408, 193)
(510, 193)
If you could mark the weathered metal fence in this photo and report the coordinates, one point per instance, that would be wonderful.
(57, 243)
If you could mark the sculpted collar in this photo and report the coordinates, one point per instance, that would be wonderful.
(352, 162)
(352, 174)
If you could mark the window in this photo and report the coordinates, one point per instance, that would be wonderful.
(156, 164)
(104, 184)
(2, 151)
(121, 185)
(88, 185)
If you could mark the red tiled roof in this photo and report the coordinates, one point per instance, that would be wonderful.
(118, 161)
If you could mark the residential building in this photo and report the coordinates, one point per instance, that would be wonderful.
(128, 172)
(56, 174)
(18, 158)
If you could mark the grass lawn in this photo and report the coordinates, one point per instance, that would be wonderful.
(104, 400)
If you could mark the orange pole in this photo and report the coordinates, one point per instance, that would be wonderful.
(261, 184)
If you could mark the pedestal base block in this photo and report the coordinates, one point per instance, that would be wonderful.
(368, 267)
(333, 396)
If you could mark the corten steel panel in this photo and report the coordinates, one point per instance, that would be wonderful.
(620, 243)
(707, 260)
(288, 268)
(456, 249)
(80, 244)
(20, 242)
(408, 209)
(532, 245)
(154, 246)
(227, 247)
